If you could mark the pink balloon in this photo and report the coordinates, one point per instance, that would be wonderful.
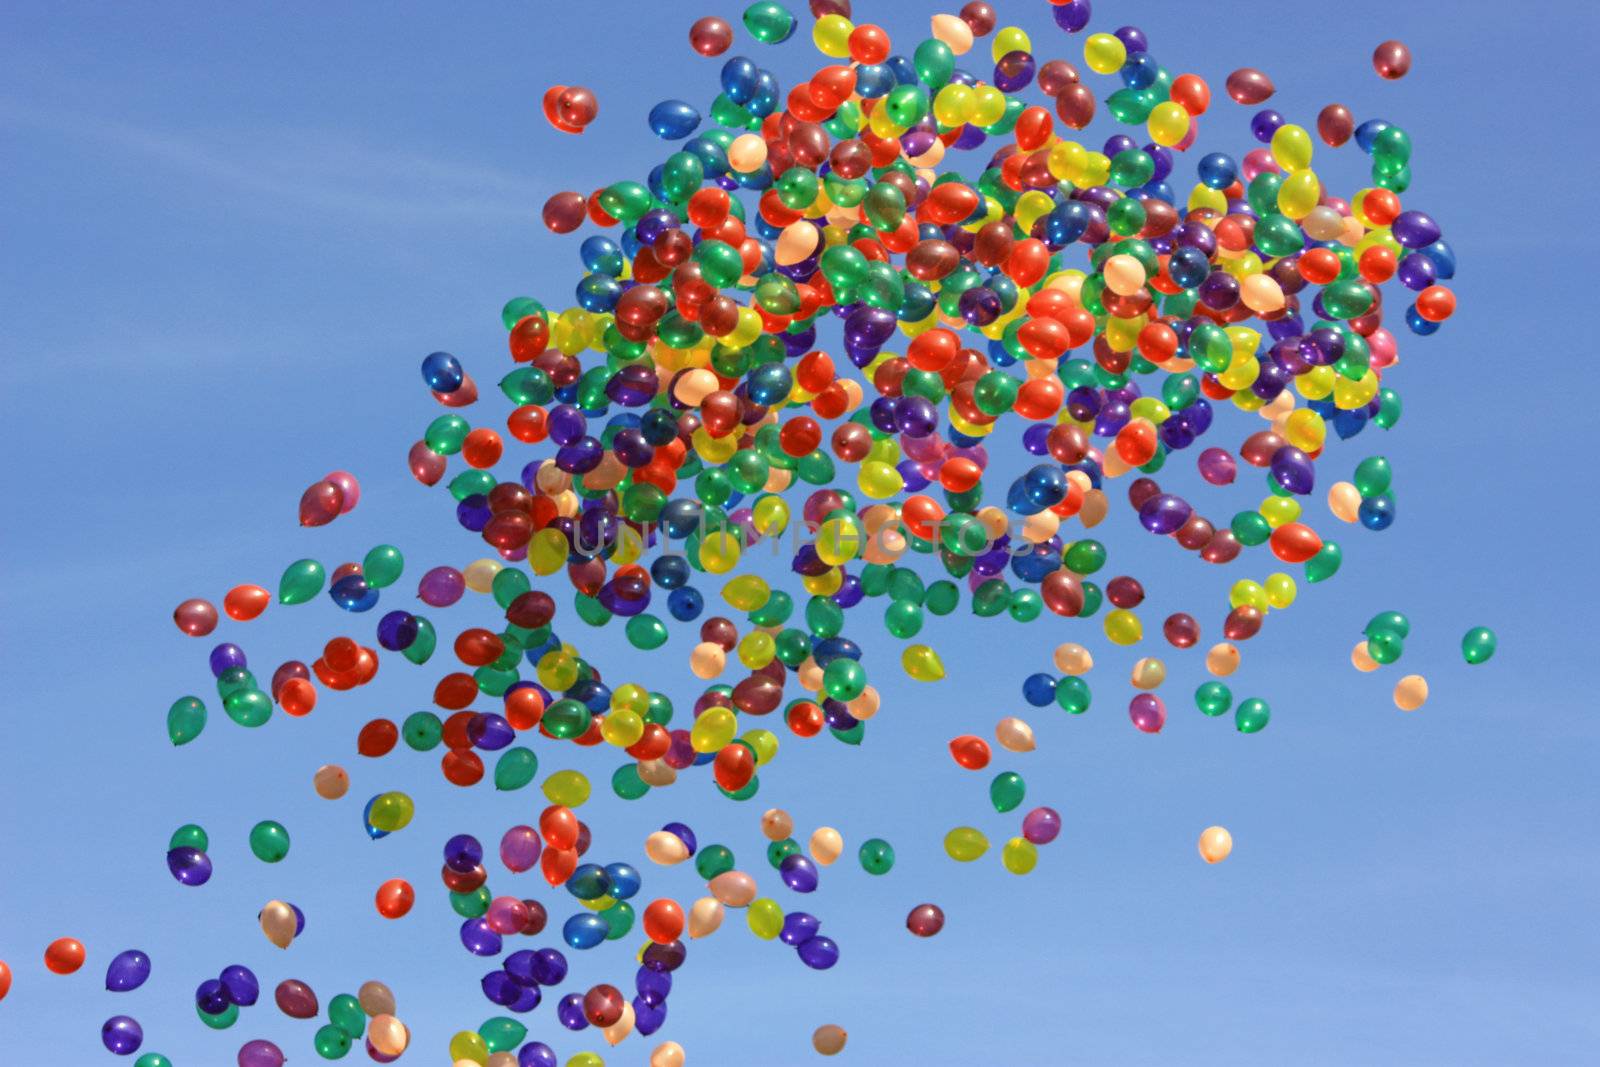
(1148, 712)
(427, 466)
(349, 487)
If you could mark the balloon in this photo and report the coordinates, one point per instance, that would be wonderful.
(128, 970)
(185, 719)
(331, 782)
(826, 845)
(64, 955)
(260, 1054)
(269, 841)
(925, 920)
(278, 923)
(121, 1035)
(1478, 645)
(876, 856)
(1392, 60)
(295, 999)
(5, 979)
(1411, 692)
(1041, 825)
(395, 897)
(1215, 844)
(197, 618)
(828, 1040)
(965, 844)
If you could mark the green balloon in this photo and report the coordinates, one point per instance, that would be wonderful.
(619, 920)
(1072, 695)
(152, 1059)
(1385, 646)
(1392, 621)
(566, 718)
(1213, 698)
(502, 1034)
(1251, 528)
(935, 63)
(1373, 476)
(222, 1019)
(876, 855)
(769, 22)
(185, 719)
(471, 905)
(422, 730)
(746, 791)
(660, 711)
(1007, 790)
(646, 632)
(190, 835)
(1478, 645)
(421, 650)
(235, 680)
(301, 581)
(713, 860)
(1026, 605)
(446, 434)
(903, 619)
(844, 679)
(269, 841)
(626, 783)
(1084, 557)
(779, 851)
(345, 1012)
(943, 597)
(381, 567)
(248, 707)
(1325, 564)
(331, 1043)
(1252, 716)
(852, 736)
(515, 768)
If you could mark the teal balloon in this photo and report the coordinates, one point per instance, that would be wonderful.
(1252, 716)
(1478, 645)
(626, 783)
(382, 566)
(515, 768)
(301, 581)
(185, 719)
(1007, 790)
(248, 707)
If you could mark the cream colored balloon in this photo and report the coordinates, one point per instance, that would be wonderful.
(1215, 844)
(1344, 500)
(480, 573)
(1095, 505)
(1323, 224)
(1148, 673)
(621, 1028)
(932, 157)
(734, 888)
(707, 659)
(695, 385)
(1411, 692)
(1261, 293)
(657, 772)
(865, 705)
(809, 675)
(995, 522)
(1361, 659)
(277, 922)
(376, 999)
(1073, 658)
(827, 845)
(829, 1039)
(1014, 735)
(388, 1034)
(778, 480)
(665, 848)
(331, 781)
(667, 1054)
(796, 243)
(1222, 659)
(777, 824)
(1040, 527)
(1112, 465)
(551, 479)
(747, 153)
(705, 915)
(954, 32)
(1124, 274)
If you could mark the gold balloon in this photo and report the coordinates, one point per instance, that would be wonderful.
(1222, 659)
(827, 845)
(1014, 735)
(667, 1054)
(331, 781)
(776, 824)
(1411, 692)
(277, 922)
(733, 888)
(388, 1034)
(705, 915)
(666, 848)
(1361, 659)
(1344, 500)
(1215, 844)
(829, 1039)
(376, 999)
(1073, 659)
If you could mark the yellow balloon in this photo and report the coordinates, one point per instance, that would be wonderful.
(713, 729)
(468, 1045)
(1123, 627)
(965, 844)
(765, 918)
(1305, 429)
(757, 649)
(1168, 123)
(922, 663)
(954, 104)
(630, 697)
(746, 592)
(1280, 590)
(1291, 147)
(1103, 53)
(391, 811)
(548, 551)
(831, 34)
(1215, 844)
(622, 727)
(586, 1059)
(1246, 592)
(765, 743)
(1019, 855)
(1013, 39)
(1299, 193)
(1278, 510)
(879, 481)
(569, 788)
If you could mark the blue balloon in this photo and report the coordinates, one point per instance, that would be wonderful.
(128, 970)
(584, 930)
(443, 372)
(673, 120)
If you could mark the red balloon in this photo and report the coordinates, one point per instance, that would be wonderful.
(246, 602)
(395, 898)
(321, 503)
(1249, 86)
(377, 738)
(663, 921)
(195, 617)
(1392, 60)
(64, 955)
(970, 752)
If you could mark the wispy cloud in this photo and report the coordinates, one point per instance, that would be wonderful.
(300, 169)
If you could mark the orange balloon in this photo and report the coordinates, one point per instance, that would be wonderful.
(1223, 659)
(245, 602)
(1344, 500)
(395, 898)
(331, 781)
(1215, 844)
(64, 955)
(776, 824)
(1411, 692)
(829, 1039)
(663, 921)
(1361, 659)
(5, 979)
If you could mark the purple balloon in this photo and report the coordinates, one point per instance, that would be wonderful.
(122, 1035)
(536, 1054)
(501, 988)
(1413, 229)
(683, 832)
(569, 1012)
(260, 1053)
(1294, 470)
(441, 587)
(189, 866)
(799, 873)
(798, 928)
(653, 986)
(549, 966)
(1041, 825)
(1148, 712)
(463, 853)
(1217, 466)
(1164, 513)
(128, 970)
(211, 997)
(648, 1017)
(819, 953)
(225, 657)
(241, 986)
(478, 939)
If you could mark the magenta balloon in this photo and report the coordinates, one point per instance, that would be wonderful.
(1041, 825)
(441, 587)
(520, 848)
(1148, 712)
(349, 487)
(427, 466)
(260, 1054)
(1217, 466)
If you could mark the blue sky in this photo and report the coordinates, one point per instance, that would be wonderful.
(233, 232)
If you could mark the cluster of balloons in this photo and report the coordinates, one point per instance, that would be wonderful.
(1026, 314)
